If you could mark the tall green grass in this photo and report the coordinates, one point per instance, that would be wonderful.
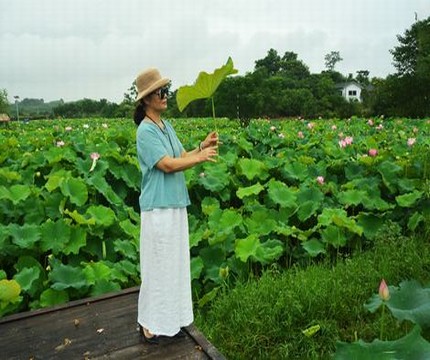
(264, 318)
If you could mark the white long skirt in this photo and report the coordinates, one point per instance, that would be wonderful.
(165, 300)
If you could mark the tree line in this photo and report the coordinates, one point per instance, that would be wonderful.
(283, 86)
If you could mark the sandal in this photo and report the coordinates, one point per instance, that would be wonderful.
(180, 334)
(154, 339)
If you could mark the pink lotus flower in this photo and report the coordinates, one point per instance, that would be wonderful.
(94, 156)
(272, 128)
(334, 127)
(380, 127)
(60, 143)
(320, 180)
(311, 125)
(349, 140)
(384, 293)
(346, 141)
(300, 135)
(411, 142)
(373, 152)
(370, 122)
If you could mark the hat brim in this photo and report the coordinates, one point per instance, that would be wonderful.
(158, 84)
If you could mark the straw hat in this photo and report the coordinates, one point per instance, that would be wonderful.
(148, 81)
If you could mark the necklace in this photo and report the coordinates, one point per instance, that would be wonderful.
(163, 131)
(156, 123)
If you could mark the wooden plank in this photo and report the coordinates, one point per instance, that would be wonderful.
(70, 304)
(98, 328)
(210, 350)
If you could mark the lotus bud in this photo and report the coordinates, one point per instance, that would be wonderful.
(411, 141)
(223, 272)
(320, 180)
(384, 293)
(94, 156)
(373, 152)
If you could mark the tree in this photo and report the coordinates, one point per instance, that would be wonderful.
(271, 63)
(363, 77)
(336, 76)
(332, 59)
(291, 66)
(4, 103)
(88, 108)
(408, 91)
(412, 56)
(131, 94)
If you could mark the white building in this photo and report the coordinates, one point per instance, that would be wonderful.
(351, 90)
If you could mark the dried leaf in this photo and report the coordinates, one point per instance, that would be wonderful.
(66, 342)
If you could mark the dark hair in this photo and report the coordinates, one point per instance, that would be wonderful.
(139, 112)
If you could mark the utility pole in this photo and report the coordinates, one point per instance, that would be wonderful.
(16, 97)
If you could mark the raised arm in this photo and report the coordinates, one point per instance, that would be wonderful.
(188, 160)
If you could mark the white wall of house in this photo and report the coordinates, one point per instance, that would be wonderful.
(351, 91)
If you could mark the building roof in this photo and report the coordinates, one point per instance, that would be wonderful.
(345, 84)
(4, 117)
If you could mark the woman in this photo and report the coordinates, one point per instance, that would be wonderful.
(165, 301)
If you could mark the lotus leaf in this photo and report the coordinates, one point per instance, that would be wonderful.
(25, 236)
(54, 235)
(249, 190)
(67, 276)
(411, 346)
(205, 85)
(281, 194)
(407, 200)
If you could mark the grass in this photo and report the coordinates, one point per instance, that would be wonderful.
(264, 318)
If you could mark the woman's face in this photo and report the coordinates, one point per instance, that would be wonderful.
(157, 100)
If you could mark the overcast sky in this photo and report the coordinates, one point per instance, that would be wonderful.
(75, 49)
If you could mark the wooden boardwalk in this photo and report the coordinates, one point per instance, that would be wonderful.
(96, 328)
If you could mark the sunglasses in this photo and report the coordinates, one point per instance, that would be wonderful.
(162, 92)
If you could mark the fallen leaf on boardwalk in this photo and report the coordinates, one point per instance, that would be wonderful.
(198, 347)
(65, 343)
(100, 330)
(76, 322)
